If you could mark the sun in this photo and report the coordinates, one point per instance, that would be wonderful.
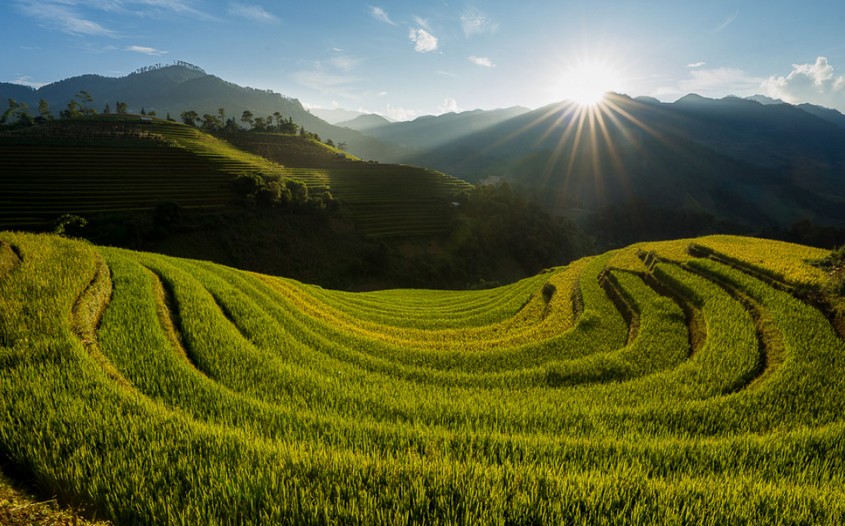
(586, 82)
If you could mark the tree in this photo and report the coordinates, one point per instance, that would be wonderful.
(248, 118)
(72, 111)
(44, 109)
(279, 120)
(189, 117)
(85, 102)
(298, 190)
(289, 127)
(106, 109)
(169, 118)
(342, 146)
(69, 225)
(259, 124)
(211, 123)
(122, 107)
(13, 109)
(231, 125)
(222, 113)
(143, 112)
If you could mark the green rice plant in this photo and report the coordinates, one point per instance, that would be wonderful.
(154, 390)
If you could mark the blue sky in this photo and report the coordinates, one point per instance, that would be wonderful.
(408, 58)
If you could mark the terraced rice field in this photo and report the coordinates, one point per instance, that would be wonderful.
(108, 166)
(667, 383)
(385, 200)
(117, 166)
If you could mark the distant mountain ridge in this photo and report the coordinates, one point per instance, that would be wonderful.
(431, 131)
(181, 87)
(756, 166)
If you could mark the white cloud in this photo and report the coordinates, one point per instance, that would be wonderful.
(814, 83)
(424, 42)
(449, 105)
(482, 61)
(26, 80)
(381, 15)
(251, 12)
(146, 50)
(474, 22)
(696, 65)
(400, 113)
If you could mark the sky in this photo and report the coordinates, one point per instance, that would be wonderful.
(403, 59)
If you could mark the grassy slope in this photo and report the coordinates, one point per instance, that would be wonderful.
(385, 200)
(115, 164)
(644, 385)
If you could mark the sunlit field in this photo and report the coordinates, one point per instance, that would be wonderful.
(692, 381)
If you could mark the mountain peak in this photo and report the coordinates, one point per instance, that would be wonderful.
(763, 99)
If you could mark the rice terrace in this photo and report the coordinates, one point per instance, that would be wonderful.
(422, 263)
(667, 382)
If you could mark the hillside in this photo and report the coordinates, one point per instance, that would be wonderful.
(734, 161)
(385, 200)
(182, 87)
(270, 203)
(116, 165)
(696, 378)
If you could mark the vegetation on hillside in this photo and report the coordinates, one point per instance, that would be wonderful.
(668, 382)
(270, 202)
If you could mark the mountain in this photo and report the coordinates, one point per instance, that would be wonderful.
(365, 122)
(429, 131)
(827, 114)
(763, 99)
(732, 160)
(336, 115)
(180, 87)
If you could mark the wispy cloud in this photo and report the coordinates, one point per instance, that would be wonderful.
(696, 65)
(715, 82)
(78, 17)
(146, 50)
(327, 82)
(62, 16)
(422, 22)
(332, 77)
(158, 8)
(815, 83)
(344, 63)
(474, 22)
(424, 42)
(728, 21)
(482, 61)
(381, 15)
(251, 12)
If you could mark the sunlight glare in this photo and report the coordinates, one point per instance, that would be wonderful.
(587, 82)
